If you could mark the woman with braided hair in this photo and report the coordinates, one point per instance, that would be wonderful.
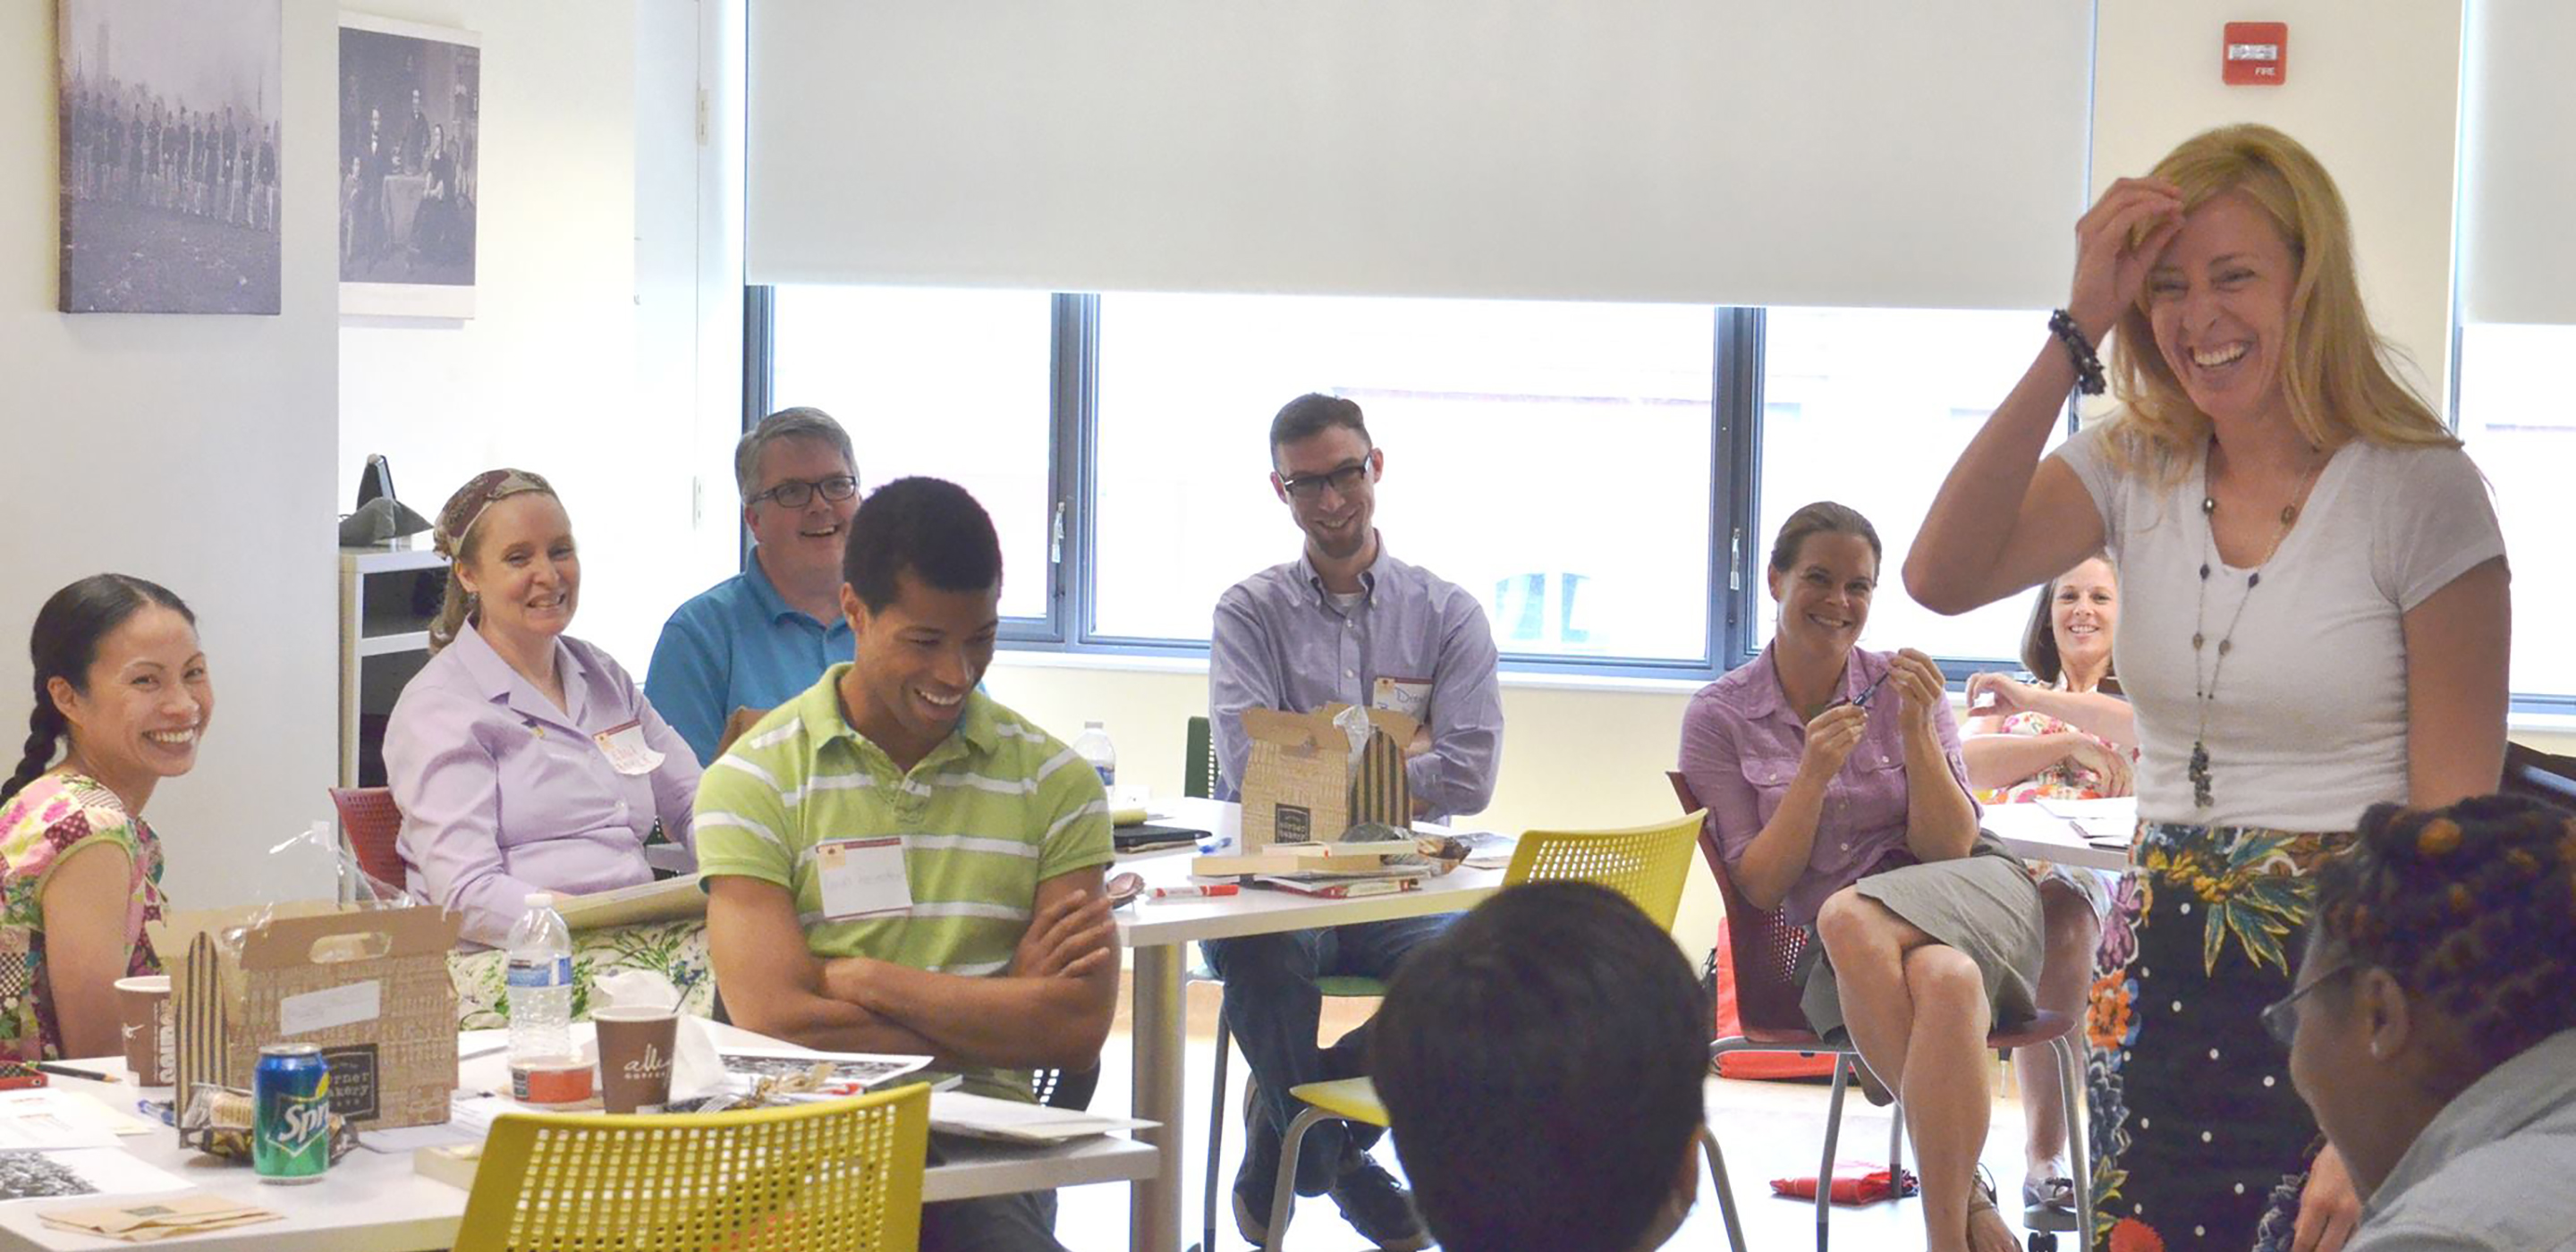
(2433, 1027)
(121, 690)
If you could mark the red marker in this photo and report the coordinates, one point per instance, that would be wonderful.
(1191, 892)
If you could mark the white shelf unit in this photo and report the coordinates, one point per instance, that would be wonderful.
(387, 598)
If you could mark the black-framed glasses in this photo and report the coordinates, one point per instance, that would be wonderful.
(795, 493)
(1343, 479)
(2281, 1017)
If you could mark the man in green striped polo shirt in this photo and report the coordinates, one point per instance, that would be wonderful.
(895, 863)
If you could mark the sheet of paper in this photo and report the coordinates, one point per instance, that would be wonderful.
(32, 1122)
(958, 1112)
(412, 1138)
(2102, 821)
(78, 1108)
(79, 1172)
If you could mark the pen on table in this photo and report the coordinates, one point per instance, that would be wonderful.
(158, 1109)
(1191, 891)
(67, 1071)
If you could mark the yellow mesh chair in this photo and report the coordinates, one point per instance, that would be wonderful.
(838, 1174)
(1648, 864)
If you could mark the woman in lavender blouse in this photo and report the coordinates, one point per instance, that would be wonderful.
(1835, 790)
(523, 759)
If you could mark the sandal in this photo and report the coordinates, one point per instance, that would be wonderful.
(2054, 1191)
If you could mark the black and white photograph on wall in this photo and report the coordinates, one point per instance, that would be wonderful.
(169, 121)
(411, 107)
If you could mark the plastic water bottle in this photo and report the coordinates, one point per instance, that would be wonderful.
(1094, 746)
(540, 984)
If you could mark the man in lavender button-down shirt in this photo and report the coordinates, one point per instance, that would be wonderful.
(1343, 622)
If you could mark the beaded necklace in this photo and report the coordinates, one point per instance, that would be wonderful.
(2205, 689)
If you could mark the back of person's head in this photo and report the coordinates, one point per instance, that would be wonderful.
(801, 422)
(1824, 517)
(1541, 1065)
(2472, 909)
(1312, 414)
(2336, 375)
(928, 526)
(63, 645)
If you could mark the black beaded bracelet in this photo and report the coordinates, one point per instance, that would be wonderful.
(2088, 367)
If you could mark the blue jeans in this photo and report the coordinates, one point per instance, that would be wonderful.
(1273, 1008)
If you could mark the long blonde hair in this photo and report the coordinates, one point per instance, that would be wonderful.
(2336, 373)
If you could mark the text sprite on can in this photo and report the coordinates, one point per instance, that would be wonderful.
(291, 1133)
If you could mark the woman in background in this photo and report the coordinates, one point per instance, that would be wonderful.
(2057, 737)
(523, 759)
(1834, 789)
(121, 689)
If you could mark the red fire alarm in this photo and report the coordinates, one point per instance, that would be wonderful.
(2256, 54)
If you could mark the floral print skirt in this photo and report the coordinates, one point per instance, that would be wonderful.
(2197, 1139)
(675, 950)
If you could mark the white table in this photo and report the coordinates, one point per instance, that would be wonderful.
(1157, 930)
(2034, 832)
(373, 1202)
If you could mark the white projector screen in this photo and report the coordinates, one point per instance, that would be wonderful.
(2518, 166)
(1702, 151)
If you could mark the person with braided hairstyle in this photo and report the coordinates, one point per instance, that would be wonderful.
(2433, 1027)
(121, 690)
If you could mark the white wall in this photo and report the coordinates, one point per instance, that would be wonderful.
(580, 361)
(194, 451)
(2373, 89)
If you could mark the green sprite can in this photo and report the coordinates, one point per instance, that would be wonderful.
(291, 1126)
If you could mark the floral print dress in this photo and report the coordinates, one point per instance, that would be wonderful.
(2197, 1139)
(56, 816)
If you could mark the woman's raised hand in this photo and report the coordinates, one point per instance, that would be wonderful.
(2109, 270)
(1919, 687)
(1830, 740)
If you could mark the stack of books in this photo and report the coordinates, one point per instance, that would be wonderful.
(1324, 869)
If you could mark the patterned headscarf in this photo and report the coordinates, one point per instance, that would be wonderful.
(479, 493)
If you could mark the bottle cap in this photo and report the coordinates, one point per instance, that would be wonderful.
(1091, 725)
(541, 899)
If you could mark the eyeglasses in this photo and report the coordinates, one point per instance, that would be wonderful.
(794, 493)
(2281, 1017)
(1343, 479)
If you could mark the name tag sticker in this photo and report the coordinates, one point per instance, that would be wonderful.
(335, 1006)
(626, 749)
(863, 878)
(1409, 696)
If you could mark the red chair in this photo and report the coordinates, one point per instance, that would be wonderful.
(1766, 950)
(371, 824)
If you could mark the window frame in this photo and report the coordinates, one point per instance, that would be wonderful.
(1070, 624)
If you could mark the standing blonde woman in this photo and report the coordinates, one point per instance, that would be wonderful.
(2316, 622)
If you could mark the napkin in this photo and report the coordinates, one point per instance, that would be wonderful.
(695, 1069)
(162, 1217)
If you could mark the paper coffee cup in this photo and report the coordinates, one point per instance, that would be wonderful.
(151, 1046)
(635, 1049)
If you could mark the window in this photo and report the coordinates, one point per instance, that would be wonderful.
(2519, 430)
(1605, 478)
(1870, 407)
(953, 384)
(1553, 459)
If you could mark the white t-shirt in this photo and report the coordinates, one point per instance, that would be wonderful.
(2308, 724)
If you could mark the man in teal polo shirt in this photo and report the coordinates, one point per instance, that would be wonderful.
(756, 639)
(895, 863)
